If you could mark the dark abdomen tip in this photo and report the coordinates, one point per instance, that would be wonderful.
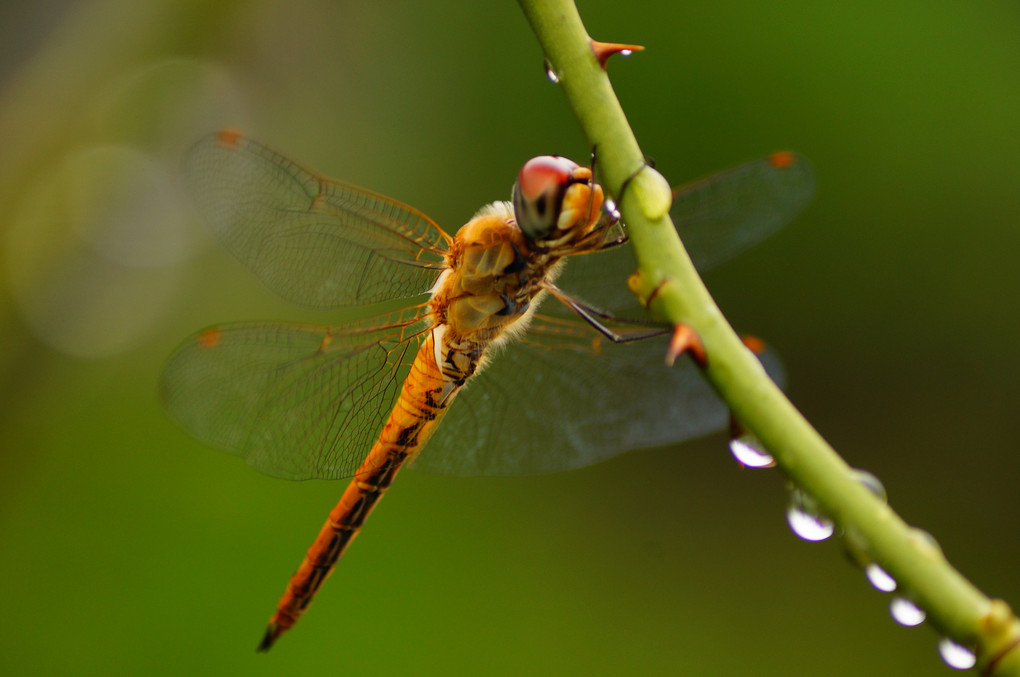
(272, 632)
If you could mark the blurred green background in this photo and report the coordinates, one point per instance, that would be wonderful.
(129, 548)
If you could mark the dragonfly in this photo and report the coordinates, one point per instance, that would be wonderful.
(499, 310)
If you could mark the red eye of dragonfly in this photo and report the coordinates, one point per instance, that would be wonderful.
(538, 194)
(363, 397)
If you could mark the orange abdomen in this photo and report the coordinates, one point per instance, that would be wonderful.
(420, 406)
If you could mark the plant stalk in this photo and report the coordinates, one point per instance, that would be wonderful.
(667, 282)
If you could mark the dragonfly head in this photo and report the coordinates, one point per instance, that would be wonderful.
(555, 200)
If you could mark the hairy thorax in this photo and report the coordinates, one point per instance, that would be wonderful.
(489, 290)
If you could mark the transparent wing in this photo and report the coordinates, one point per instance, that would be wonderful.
(304, 402)
(295, 401)
(717, 218)
(563, 398)
(722, 215)
(315, 241)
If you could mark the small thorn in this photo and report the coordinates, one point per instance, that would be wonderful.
(604, 50)
(634, 282)
(272, 632)
(753, 343)
(685, 340)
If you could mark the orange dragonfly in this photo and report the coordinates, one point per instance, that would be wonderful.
(361, 398)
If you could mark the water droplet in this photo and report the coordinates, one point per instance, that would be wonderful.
(550, 73)
(925, 543)
(809, 527)
(871, 482)
(749, 453)
(806, 520)
(879, 578)
(610, 208)
(956, 656)
(906, 612)
(625, 52)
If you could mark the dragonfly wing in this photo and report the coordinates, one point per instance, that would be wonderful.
(600, 279)
(563, 398)
(722, 215)
(315, 241)
(717, 218)
(295, 401)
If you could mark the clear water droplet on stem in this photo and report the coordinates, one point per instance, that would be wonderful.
(906, 612)
(550, 73)
(925, 542)
(955, 655)
(879, 578)
(749, 452)
(871, 482)
(806, 520)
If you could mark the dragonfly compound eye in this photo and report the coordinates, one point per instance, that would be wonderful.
(538, 194)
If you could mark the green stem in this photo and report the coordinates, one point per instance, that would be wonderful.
(667, 276)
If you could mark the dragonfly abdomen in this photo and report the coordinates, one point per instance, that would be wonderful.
(423, 400)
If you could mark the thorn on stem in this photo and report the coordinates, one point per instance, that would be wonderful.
(604, 50)
(634, 282)
(685, 340)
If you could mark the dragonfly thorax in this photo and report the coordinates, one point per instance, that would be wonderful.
(501, 261)
(493, 279)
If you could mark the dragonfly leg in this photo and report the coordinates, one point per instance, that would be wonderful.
(597, 318)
